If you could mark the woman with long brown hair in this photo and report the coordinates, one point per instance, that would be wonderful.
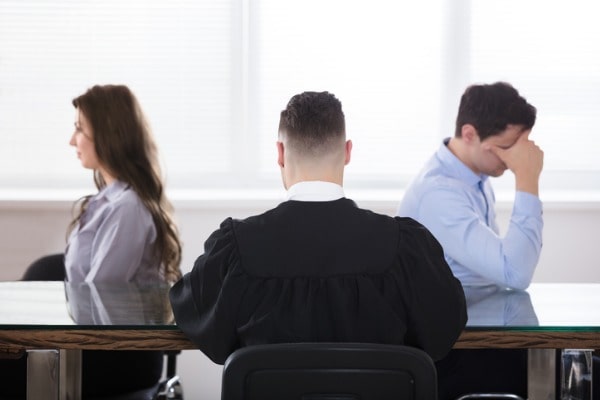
(125, 232)
(122, 234)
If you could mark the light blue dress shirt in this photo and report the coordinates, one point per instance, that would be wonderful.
(114, 240)
(457, 206)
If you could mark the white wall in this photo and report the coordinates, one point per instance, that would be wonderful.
(34, 228)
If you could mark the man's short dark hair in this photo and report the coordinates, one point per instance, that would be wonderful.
(491, 108)
(313, 122)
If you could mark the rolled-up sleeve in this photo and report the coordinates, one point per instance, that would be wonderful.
(472, 247)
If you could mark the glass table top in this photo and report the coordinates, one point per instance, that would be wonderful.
(77, 305)
(24, 305)
(541, 306)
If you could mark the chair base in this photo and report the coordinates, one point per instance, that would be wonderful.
(490, 396)
(170, 390)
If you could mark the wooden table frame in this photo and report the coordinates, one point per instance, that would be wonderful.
(174, 339)
(541, 343)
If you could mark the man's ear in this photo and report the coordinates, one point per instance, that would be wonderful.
(348, 151)
(468, 133)
(280, 154)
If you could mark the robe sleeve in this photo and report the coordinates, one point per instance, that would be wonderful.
(435, 299)
(204, 309)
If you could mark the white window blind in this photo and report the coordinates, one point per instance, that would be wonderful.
(213, 75)
(549, 51)
(382, 59)
(175, 55)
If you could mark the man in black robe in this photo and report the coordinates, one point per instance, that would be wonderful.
(317, 268)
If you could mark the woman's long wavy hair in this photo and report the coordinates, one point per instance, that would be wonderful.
(126, 149)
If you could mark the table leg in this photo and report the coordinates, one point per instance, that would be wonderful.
(576, 374)
(42, 374)
(70, 375)
(541, 374)
(53, 374)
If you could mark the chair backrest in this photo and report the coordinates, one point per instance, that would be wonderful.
(47, 268)
(329, 371)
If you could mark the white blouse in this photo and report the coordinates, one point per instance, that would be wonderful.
(114, 239)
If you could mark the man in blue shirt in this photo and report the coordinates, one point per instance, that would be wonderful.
(452, 196)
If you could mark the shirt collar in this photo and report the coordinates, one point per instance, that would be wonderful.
(456, 168)
(315, 191)
(113, 190)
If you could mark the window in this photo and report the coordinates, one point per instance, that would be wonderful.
(177, 56)
(548, 51)
(212, 77)
(382, 59)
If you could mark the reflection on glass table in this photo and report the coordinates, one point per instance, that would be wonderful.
(118, 304)
(496, 306)
(68, 318)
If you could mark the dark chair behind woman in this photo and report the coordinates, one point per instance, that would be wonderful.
(47, 268)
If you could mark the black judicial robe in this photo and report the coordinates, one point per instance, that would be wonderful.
(320, 271)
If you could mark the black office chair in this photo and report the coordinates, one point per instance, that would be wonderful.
(47, 268)
(52, 268)
(329, 371)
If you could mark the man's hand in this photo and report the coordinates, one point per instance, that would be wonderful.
(525, 159)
